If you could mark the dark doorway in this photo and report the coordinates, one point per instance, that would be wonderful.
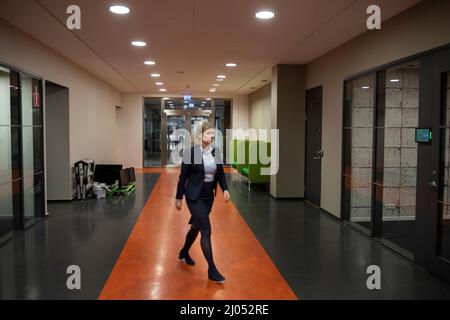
(433, 216)
(314, 152)
(59, 170)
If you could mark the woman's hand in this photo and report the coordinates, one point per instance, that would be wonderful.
(178, 204)
(226, 195)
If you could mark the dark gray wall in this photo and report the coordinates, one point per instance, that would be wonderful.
(58, 143)
(288, 115)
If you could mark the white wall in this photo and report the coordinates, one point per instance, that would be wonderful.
(260, 108)
(92, 101)
(423, 27)
(130, 134)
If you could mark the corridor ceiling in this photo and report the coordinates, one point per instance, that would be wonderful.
(191, 40)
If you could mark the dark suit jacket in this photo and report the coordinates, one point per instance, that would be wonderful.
(192, 174)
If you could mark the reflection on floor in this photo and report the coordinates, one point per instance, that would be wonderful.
(401, 233)
(90, 234)
(152, 159)
(266, 248)
(6, 225)
(148, 267)
(322, 258)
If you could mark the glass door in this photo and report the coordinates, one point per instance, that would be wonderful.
(433, 185)
(176, 135)
(179, 121)
(152, 132)
(21, 151)
(443, 229)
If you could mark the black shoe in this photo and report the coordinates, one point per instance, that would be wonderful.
(215, 276)
(185, 256)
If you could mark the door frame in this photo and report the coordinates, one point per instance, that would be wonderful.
(428, 208)
(312, 91)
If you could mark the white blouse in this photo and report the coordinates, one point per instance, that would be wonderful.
(209, 163)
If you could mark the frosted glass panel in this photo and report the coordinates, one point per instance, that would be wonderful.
(5, 99)
(400, 154)
(360, 96)
(5, 154)
(28, 195)
(6, 202)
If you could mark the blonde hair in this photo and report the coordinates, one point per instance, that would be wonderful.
(200, 130)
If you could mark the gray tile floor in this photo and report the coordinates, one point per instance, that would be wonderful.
(319, 257)
(322, 258)
(90, 234)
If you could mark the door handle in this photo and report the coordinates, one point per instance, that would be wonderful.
(319, 155)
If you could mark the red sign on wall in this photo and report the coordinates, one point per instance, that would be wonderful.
(36, 99)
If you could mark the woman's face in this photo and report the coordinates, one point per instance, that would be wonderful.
(208, 136)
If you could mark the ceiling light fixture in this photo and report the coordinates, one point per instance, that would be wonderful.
(155, 75)
(212, 90)
(150, 63)
(365, 87)
(119, 9)
(231, 65)
(395, 80)
(216, 85)
(163, 90)
(159, 83)
(221, 76)
(265, 15)
(138, 43)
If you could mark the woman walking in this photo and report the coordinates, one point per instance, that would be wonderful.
(201, 170)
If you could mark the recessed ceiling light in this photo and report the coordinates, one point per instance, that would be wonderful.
(365, 87)
(155, 75)
(138, 43)
(159, 83)
(221, 76)
(166, 99)
(231, 65)
(163, 90)
(216, 85)
(395, 80)
(264, 15)
(208, 99)
(220, 80)
(212, 90)
(119, 9)
(150, 63)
